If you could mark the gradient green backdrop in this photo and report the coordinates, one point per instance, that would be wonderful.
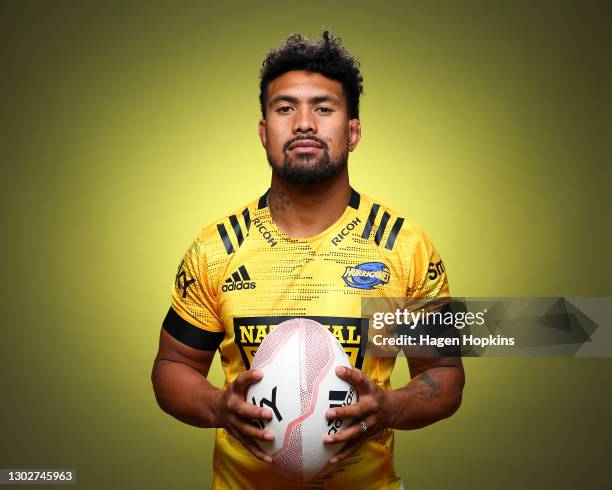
(126, 126)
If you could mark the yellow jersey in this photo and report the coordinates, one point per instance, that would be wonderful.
(242, 276)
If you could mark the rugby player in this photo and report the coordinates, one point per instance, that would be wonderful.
(310, 246)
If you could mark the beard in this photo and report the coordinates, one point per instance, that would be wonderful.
(307, 168)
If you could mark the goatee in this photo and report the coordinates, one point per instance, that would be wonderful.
(307, 168)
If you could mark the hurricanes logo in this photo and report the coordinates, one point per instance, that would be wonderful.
(240, 279)
(367, 275)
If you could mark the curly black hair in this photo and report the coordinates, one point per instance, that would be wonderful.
(326, 56)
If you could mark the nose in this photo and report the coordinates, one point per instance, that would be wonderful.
(304, 122)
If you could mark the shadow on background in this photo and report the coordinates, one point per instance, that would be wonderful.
(126, 128)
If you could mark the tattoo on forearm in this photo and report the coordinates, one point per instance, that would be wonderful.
(426, 386)
(278, 200)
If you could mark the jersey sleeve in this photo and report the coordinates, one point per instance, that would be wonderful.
(193, 317)
(428, 283)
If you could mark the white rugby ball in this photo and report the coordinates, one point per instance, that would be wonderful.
(298, 360)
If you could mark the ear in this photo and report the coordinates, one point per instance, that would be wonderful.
(262, 132)
(354, 133)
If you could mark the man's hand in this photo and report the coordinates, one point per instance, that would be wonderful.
(371, 409)
(235, 415)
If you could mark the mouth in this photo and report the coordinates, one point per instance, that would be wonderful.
(305, 146)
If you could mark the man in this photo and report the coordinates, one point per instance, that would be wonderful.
(297, 251)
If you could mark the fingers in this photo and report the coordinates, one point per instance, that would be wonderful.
(353, 437)
(364, 386)
(347, 450)
(255, 449)
(359, 410)
(244, 380)
(258, 452)
(249, 411)
(247, 433)
(241, 416)
(241, 413)
(351, 432)
(354, 377)
(252, 431)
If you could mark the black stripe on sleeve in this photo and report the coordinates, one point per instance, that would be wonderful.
(247, 218)
(397, 226)
(381, 228)
(263, 201)
(368, 227)
(237, 229)
(355, 199)
(226, 239)
(191, 335)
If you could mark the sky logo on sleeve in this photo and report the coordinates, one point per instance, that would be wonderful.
(367, 275)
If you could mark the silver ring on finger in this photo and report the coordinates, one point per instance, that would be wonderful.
(363, 426)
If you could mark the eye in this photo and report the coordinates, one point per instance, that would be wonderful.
(324, 110)
(285, 109)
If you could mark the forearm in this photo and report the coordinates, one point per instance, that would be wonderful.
(185, 393)
(431, 396)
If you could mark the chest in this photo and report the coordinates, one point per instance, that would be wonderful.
(301, 278)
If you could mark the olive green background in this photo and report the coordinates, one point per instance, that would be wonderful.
(127, 126)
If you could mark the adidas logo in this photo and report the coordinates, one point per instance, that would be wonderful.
(240, 279)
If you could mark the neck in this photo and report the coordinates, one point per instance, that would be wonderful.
(301, 211)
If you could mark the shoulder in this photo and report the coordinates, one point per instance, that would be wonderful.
(411, 248)
(216, 243)
(387, 227)
(226, 234)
